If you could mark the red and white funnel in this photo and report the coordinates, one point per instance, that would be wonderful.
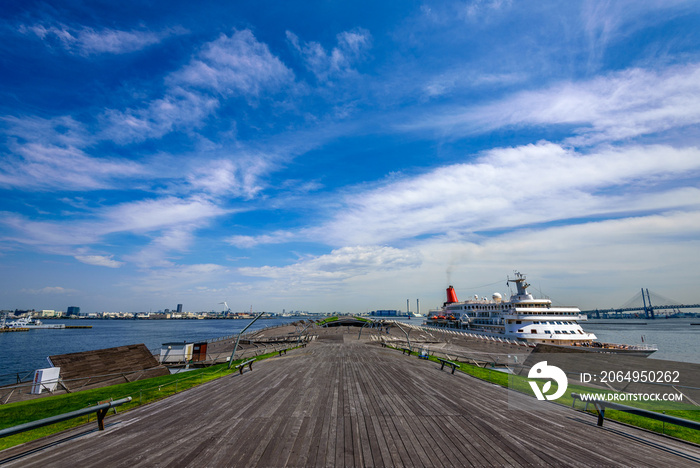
(451, 295)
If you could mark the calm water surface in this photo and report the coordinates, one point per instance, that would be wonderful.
(25, 351)
(676, 338)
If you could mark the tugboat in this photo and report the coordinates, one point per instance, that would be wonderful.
(524, 319)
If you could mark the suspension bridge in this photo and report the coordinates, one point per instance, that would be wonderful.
(641, 305)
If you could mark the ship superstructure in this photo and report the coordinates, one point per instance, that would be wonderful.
(521, 318)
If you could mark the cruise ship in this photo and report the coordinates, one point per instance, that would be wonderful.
(523, 318)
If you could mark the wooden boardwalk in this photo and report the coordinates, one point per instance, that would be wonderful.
(344, 402)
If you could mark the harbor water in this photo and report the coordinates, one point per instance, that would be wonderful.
(28, 350)
(25, 351)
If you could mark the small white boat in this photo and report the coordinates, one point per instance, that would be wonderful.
(31, 323)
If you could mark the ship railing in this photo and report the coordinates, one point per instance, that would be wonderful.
(641, 347)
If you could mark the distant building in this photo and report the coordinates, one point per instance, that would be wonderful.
(385, 313)
(73, 311)
(179, 308)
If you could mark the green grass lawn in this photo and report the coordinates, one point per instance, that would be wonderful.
(520, 384)
(141, 392)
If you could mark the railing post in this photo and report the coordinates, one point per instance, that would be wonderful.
(230, 361)
(101, 418)
(601, 413)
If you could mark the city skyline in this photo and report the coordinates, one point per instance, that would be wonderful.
(331, 157)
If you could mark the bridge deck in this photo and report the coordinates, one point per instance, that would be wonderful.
(344, 402)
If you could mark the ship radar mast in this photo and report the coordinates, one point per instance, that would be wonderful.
(522, 286)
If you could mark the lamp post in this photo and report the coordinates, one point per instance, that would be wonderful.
(230, 361)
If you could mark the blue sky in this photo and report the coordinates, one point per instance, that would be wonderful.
(331, 156)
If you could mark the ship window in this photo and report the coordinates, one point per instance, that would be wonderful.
(518, 322)
(533, 331)
(520, 330)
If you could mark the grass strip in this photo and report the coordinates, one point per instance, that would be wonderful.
(521, 384)
(141, 391)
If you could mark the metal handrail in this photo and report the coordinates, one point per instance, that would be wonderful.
(601, 405)
(100, 409)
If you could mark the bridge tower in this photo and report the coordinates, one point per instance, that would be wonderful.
(648, 309)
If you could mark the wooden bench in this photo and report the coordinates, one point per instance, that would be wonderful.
(454, 365)
(248, 363)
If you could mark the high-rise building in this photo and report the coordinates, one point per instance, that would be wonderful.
(179, 308)
(73, 310)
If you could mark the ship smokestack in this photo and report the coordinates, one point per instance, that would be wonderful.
(451, 295)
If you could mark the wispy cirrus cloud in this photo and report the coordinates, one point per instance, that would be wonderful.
(83, 40)
(165, 223)
(234, 65)
(351, 47)
(49, 290)
(180, 280)
(230, 66)
(239, 177)
(511, 187)
(340, 264)
(99, 260)
(616, 107)
(278, 237)
(40, 167)
(178, 109)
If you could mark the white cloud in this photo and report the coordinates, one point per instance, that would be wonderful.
(49, 154)
(157, 254)
(99, 260)
(339, 265)
(351, 48)
(511, 187)
(571, 262)
(616, 107)
(179, 109)
(170, 221)
(161, 213)
(175, 280)
(278, 237)
(50, 290)
(88, 41)
(39, 167)
(475, 10)
(238, 177)
(235, 65)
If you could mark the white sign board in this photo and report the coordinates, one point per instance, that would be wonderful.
(45, 379)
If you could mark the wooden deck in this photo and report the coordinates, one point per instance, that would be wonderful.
(344, 402)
